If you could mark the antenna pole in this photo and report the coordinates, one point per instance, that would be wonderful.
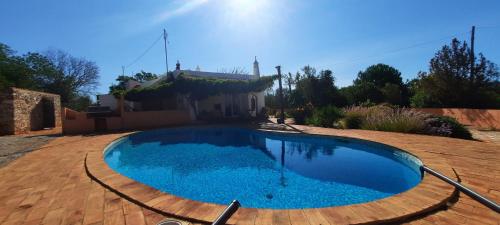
(281, 120)
(472, 56)
(165, 35)
(123, 71)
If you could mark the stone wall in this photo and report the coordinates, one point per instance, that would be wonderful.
(23, 111)
(6, 112)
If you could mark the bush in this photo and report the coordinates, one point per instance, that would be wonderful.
(447, 126)
(263, 114)
(299, 115)
(352, 121)
(278, 114)
(271, 111)
(355, 116)
(395, 120)
(384, 118)
(325, 116)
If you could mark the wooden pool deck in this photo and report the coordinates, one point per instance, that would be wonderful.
(51, 186)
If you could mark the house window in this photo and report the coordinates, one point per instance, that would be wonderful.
(253, 104)
(217, 107)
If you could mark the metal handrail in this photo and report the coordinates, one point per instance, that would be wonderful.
(471, 193)
(228, 212)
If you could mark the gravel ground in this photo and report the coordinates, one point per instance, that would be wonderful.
(13, 147)
(486, 136)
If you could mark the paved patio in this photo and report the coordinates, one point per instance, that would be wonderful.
(15, 146)
(50, 186)
(486, 135)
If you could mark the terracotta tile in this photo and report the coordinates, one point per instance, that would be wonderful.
(135, 218)
(51, 186)
(53, 217)
(114, 218)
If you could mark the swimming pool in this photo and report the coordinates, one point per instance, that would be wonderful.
(263, 169)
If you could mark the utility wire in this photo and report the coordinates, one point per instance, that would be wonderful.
(145, 52)
(403, 48)
(488, 27)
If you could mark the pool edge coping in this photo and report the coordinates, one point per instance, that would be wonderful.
(399, 207)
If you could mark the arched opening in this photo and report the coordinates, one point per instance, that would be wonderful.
(49, 119)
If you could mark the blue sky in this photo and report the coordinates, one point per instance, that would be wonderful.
(344, 36)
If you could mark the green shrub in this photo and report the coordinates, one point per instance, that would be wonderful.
(325, 116)
(299, 115)
(271, 111)
(448, 127)
(278, 114)
(352, 121)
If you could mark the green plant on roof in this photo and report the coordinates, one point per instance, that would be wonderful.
(197, 88)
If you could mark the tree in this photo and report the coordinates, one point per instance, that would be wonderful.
(377, 84)
(53, 72)
(449, 82)
(144, 76)
(361, 93)
(121, 87)
(305, 87)
(318, 90)
(13, 70)
(325, 90)
(289, 82)
(380, 75)
(73, 77)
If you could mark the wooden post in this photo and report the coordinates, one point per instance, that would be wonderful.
(121, 109)
(472, 57)
(281, 120)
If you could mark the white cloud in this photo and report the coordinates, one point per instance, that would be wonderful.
(179, 8)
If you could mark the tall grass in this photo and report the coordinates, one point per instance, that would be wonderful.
(404, 120)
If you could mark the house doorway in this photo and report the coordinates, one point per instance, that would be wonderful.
(49, 117)
(232, 103)
(100, 124)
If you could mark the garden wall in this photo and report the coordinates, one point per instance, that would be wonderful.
(154, 119)
(479, 118)
(6, 113)
(22, 111)
(78, 122)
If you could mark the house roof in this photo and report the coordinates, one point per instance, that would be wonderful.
(200, 74)
(214, 75)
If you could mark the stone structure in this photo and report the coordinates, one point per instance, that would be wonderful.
(22, 111)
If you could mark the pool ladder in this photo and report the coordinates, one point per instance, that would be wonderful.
(471, 193)
(228, 212)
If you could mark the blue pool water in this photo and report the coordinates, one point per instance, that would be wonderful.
(263, 169)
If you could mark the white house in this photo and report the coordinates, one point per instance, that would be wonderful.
(225, 105)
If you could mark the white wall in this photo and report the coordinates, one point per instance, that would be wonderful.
(260, 102)
(109, 101)
(208, 104)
